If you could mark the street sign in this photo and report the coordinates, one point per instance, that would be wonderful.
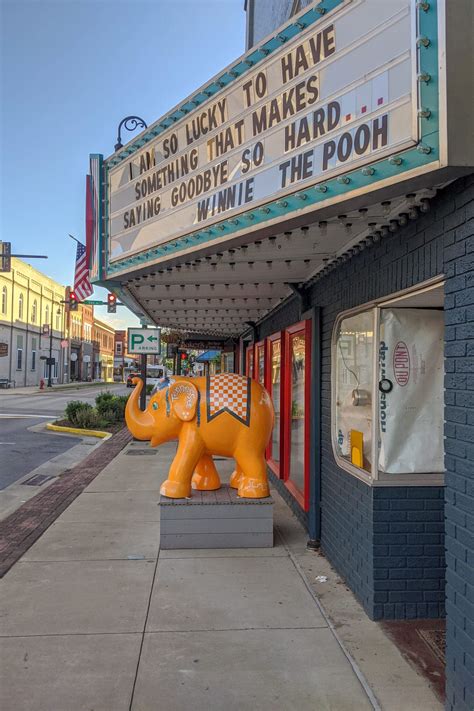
(45, 329)
(144, 341)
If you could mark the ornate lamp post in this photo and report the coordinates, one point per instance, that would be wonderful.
(129, 123)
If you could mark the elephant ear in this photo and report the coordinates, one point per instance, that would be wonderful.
(184, 397)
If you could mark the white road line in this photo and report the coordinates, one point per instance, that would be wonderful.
(7, 442)
(15, 415)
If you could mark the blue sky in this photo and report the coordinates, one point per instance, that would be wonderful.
(70, 71)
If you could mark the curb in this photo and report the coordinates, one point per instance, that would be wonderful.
(77, 431)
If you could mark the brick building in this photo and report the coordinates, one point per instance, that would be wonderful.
(339, 258)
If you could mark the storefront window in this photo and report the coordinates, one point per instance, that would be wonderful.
(387, 399)
(354, 388)
(260, 363)
(297, 405)
(249, 364)
(275, 392)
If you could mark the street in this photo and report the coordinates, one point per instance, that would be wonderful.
(23, 450)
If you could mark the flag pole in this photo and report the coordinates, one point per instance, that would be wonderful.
(75, 240)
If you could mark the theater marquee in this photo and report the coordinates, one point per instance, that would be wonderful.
(334, 105)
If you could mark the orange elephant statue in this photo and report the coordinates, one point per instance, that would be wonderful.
(225, 414)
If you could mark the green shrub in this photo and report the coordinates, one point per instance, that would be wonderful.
(74, 408)
(149, 389)
(103, 401)
(89, 419)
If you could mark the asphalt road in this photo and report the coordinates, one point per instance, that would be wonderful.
(21, 450)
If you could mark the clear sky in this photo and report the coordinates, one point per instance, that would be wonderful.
(70, 71)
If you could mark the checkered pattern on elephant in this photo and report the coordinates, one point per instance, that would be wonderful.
(228, 392)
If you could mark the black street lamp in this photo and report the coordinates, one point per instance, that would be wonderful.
(50, 360)
(130, 123)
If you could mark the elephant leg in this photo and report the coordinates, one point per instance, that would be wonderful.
(188, 454)
(205, 477)
(253, 483)
(235, 477)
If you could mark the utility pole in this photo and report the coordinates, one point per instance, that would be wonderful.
(143, 362)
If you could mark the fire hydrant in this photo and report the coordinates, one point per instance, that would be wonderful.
(41, 384)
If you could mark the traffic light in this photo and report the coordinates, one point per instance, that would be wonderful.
(5, 256)
(111, 303)
(183, 355)
(73, 301)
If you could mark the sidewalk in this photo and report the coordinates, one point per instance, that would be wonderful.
(95, 617)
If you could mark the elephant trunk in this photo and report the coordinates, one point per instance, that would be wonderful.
(139, 422)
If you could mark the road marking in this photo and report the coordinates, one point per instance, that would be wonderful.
(4, 416)
(7, 442)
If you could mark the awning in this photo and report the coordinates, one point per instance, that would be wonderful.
(207, 356)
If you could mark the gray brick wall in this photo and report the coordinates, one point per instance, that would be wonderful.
(389, 543)
(459, 432)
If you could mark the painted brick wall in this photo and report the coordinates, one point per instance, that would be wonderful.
(389, 543)
(459, 432)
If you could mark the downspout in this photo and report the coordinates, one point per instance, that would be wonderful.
(314, 517)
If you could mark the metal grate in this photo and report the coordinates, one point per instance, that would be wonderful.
(38, 480)
(140, 452)
(436, 641)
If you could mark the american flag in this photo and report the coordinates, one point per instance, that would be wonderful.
(82, 285)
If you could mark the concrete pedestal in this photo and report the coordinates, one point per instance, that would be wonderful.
(216, 519)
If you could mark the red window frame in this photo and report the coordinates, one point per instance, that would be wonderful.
(249, 370)
(259, 347)
(301, 328)
(278, 336)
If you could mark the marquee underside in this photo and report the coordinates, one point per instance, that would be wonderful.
(219, 290)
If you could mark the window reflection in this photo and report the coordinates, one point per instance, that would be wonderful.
(261, 365)
(354, 346)
(275, 392)
(298, 361)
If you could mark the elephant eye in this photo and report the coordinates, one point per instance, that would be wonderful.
(155, 406)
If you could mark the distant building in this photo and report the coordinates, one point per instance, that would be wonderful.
(123, 361)
(103, 335)
(32, 321)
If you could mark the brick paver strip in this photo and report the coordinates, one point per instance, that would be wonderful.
(25, 525)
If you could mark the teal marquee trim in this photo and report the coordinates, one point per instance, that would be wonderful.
(425, 153)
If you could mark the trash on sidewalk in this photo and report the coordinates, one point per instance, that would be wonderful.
(321, 578)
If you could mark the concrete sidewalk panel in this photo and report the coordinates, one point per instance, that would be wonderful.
(264, 670)
(234, 593)
(96, 541)
(74, 672)
(75, 597)
(142, 478)
(121, 507)
(277, 550)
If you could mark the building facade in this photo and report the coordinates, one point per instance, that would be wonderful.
(103, 335)
(32, 325)
(337, 250)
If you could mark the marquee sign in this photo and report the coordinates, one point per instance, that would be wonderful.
(347, 97)
(340, 94)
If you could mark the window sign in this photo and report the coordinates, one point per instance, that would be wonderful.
(411, 345)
